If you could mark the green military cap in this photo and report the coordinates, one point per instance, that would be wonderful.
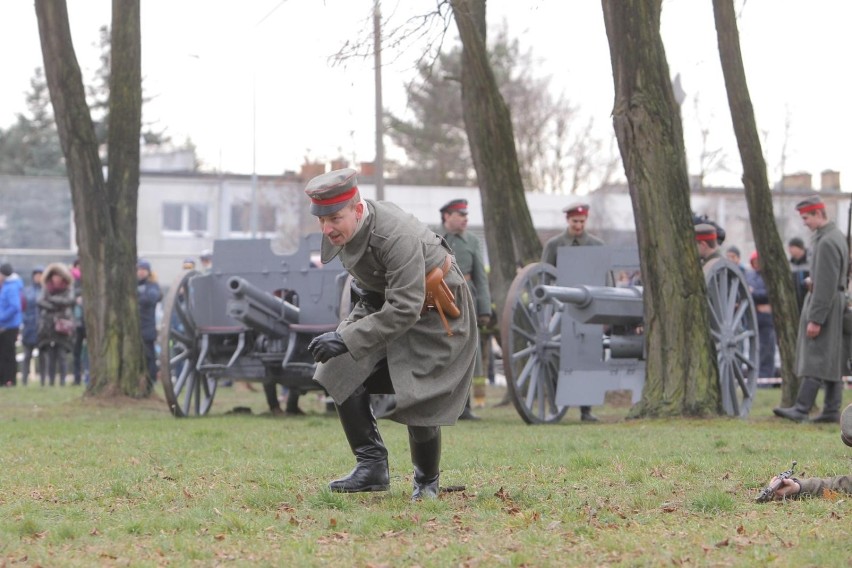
(705, 232)
(576, 209)
(810, 204)
(332, 191)
(459, 205)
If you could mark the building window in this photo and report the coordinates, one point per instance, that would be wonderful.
(185, 217)
(241, 218)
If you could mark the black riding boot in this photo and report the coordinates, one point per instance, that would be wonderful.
(804, 401)
(371, 456)
(831, 404)
(425, 444)
(586, 414)
(292, 408)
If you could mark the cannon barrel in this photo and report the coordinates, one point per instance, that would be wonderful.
(260, 310)
(597, 304)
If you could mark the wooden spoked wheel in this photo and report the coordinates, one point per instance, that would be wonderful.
(531, 335)
(188, 391)
(733, 325)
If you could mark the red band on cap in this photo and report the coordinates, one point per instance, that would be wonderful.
(705, 236)
(337, 198)
(811, 207)
(577, 211)
(457, 206)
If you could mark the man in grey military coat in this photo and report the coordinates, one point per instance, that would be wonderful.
(389, 337)
(574, 236)
(819, 345)
(468, 252)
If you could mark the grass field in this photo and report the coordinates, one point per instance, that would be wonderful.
(85, 483)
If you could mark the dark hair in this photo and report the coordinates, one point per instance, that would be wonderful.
(796, 242)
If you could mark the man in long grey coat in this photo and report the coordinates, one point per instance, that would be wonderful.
(389, 337)
(819, 346)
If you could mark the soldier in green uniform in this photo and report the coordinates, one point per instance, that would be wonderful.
(468, 252)
(707, 240)
(574, 236)
(815, 486)
(819, 345)
(390, 337)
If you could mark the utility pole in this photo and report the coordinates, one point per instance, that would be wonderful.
(380, 148)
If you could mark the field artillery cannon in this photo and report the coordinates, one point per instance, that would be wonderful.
(249, 318)
(569, 335)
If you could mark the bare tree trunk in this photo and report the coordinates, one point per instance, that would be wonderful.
(773, 259)
(681, 372)
(104, 212)
(509, 231)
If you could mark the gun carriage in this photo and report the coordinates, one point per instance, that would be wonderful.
(250, 318)
(569, 335)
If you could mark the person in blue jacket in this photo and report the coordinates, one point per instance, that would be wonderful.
(148, 296)
(11, 316)
(29, 331)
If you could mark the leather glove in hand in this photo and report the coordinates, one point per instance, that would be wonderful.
(324, 347)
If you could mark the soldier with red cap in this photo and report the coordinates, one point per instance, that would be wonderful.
(392, 335)
(468, 253)
(819, 346)
(707, 240)
(574, 236)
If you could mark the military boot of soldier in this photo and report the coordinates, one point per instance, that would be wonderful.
(831, 404)
(467, 413)
(586, 414)
(371, 456)
(425, 445)
(804, 402)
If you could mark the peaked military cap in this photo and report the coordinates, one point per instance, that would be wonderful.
(705, 232)
(459, 205)
(330, 192)
(810, 204)
(576, 209)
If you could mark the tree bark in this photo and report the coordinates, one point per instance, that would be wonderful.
(104, 212)
(681, 370)
(773, 259)
(509, 231)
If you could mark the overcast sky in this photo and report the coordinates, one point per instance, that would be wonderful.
(208, 63)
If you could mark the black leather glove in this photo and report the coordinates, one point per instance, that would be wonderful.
(324, 347)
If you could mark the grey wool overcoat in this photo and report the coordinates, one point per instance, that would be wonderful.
(430, 370)
(823, 356)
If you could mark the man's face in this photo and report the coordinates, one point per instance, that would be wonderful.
(812, 220)
(339, 227)
(455, 222)
(704, 249)
(577, 224)
(733, 257)
(795, 252)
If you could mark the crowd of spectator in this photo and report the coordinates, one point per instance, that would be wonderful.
(42, 323)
